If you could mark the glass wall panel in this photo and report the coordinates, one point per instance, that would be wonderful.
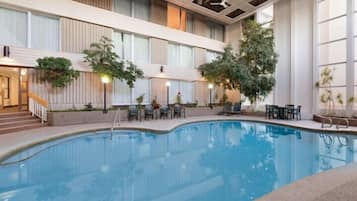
(338, 72)
(333, 30)
(174, 89)
(189, 23)
(122, 45)
(335, 91)
(186, 89)
(45, 33)
(13, 28)
(121, 94)
(186, 56)
(142, 87)
(333, 52)
(331, 8)
(173, 54)
(123, 7)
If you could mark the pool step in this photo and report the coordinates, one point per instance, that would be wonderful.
(18, 121)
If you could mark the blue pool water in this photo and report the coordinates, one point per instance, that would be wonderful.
(225, 161)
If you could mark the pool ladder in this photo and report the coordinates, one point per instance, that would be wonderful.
(116, 121)
(327, 122)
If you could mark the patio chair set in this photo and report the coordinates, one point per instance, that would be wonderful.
(149, 112)
(288, 112)
(230, 109)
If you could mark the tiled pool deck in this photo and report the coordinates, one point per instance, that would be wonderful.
(337, 184)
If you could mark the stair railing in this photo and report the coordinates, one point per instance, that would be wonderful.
(38, 107)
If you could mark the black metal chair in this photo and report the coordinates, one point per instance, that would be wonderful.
(297, 112)
(133, 112)
(227, 108)
(179, 111)
(165, 112)
(148, 112)
(275, 111)
(290, 112)
(269, 113)
(236, 108)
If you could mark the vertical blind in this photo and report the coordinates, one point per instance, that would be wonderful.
(141, 49)
(134, 8)
(185, 88)
(180, 55)
(44, 33)
(124, 95)
(13, 28)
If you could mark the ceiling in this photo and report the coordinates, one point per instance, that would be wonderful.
(230, 11)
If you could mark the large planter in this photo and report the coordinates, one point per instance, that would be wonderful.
(90, 117)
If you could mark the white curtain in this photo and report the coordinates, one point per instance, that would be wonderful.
(173, 54)
(186, 56)
(187, 90)
(189, 23)
(118, 43)
(141, 50)
(142, 87)
(127, 41)
(219, 32)
(142, 9)
(174, 89)
(44, 33)
(123, 7)
(121, 93)
(13, 30)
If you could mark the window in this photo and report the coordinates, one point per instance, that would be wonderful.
(132, 47)
(44, 33)
(189, 23)
(265, 16)
(176, 17)
(185, 88)
(139, 9)
(13, 28)
(332, 48)
(141, 50)
(180, 55)
(6, 87)
(211, 56)
(124, 95)
(216, 31)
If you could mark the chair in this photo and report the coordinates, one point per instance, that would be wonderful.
(236, 108)
(164, 112)
(297, 112)
(275, 111)
(268, 111)
(290, 111)
(149, 112)
(227, 108)
(133, 112)
(179, 110)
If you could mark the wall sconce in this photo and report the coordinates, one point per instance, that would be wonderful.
(202, 73)
(6, 51)
(161, 69)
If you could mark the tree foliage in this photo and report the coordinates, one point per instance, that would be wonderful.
(251, 71)
(57, 71)
(105, 61)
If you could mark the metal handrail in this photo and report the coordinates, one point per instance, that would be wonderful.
(323, 122)
(340, 120)
(117, 119)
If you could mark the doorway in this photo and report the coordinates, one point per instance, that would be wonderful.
(13, 89)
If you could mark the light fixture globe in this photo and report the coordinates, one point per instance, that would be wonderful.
(105, 79)
(168, 84)
(210, 86)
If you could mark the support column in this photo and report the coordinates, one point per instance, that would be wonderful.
(350, 56)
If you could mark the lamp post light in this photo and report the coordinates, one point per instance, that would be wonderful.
(168, 84)
(105, 80)
(210, 87)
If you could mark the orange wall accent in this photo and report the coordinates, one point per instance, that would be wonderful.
(173, 16)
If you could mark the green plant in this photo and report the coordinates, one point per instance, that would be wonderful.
(178, 98)
(105, 61)
(251, 71)
(140, 99)
(327, 96)
(56, 71)
(257, 59)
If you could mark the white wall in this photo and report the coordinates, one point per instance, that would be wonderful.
(293, 25)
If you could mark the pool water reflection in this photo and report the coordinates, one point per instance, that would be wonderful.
(226, 161)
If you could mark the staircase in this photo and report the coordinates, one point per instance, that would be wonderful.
(18, 121)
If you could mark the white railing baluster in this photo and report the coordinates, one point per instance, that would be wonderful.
(38, 110)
